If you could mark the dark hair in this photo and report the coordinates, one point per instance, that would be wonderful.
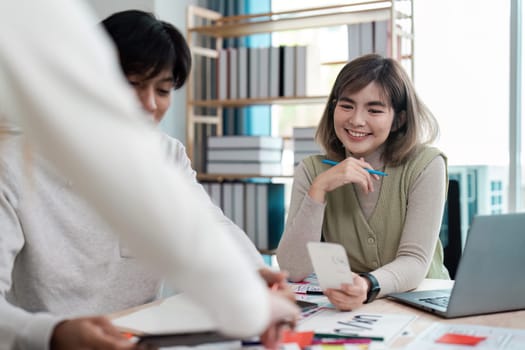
(413, 123)
(146, 45)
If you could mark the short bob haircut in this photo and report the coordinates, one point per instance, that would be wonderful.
(147, 46)
(413, 125)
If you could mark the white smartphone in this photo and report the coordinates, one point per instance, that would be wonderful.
(330, 264)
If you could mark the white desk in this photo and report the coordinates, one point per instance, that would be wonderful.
(515, 319)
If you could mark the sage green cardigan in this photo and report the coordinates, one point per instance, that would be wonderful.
(373, 243)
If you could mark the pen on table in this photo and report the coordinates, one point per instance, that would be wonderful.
(371, 171)
(341, 341)
(347, 336)
(353, 324)
(251, 342)
(314, 292)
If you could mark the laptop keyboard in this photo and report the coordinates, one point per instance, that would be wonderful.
(439, 301)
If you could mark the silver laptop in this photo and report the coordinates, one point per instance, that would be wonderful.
(490, 276)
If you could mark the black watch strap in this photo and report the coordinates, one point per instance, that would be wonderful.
(374, 287)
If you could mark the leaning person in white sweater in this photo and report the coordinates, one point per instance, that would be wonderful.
(58, 259)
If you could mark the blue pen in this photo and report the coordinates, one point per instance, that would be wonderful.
(371, 171)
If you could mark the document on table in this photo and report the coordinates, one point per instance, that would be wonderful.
(441, 336)
(377, 325)
(176, 314)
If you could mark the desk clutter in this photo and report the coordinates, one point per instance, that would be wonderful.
(321, 327)
(442, 336)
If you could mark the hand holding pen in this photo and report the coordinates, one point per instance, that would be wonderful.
(370, 171)
(350, 170)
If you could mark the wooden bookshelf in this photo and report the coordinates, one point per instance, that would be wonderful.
(208, 29)
(207, 105)
(232, 177)
(259, 101)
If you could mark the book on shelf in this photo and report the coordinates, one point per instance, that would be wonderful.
(300, 71)
(215, 192)
(227, 199)
(238, 204)
(229, 116)
(253, 68)
(245, 168)
(263, 76)
(308, 71)
(223, 75)
(233, 76)
(256, 207)
(244, 155)
(289, 71)
(381, 38)
(270, 215)
(241, 142)
(262, 240)
(369, 37)
(242, 73)
(250, 211)
(304, 145)
(286, 71)
(354, 39)
(306, 132)
(274, 77)
(366, 41)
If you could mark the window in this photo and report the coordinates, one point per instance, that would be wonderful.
(461, 71)
(462, 74)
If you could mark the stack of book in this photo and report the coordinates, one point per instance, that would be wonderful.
(304, 143)
(245, 155)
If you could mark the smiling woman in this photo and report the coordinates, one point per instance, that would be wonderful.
(388, 225)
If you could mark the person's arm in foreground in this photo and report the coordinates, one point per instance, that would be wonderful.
(177, 154)
(274, 279)
(61, 82)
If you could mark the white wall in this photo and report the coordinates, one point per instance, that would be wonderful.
(462, 74)
(174, 122)
(104, 8)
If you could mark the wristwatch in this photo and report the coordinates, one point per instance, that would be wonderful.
(374, 287)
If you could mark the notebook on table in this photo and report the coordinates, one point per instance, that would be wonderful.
(490, 276)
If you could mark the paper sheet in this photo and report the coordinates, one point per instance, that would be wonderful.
(177, 314)
(496, 337)
(386, 326)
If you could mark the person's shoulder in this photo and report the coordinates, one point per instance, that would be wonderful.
(172, 146)
(171, 141)
(314, 160)
(427, 153)
(312, 166)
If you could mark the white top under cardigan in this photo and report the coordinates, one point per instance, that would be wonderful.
(58, 256)
(60, 81)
